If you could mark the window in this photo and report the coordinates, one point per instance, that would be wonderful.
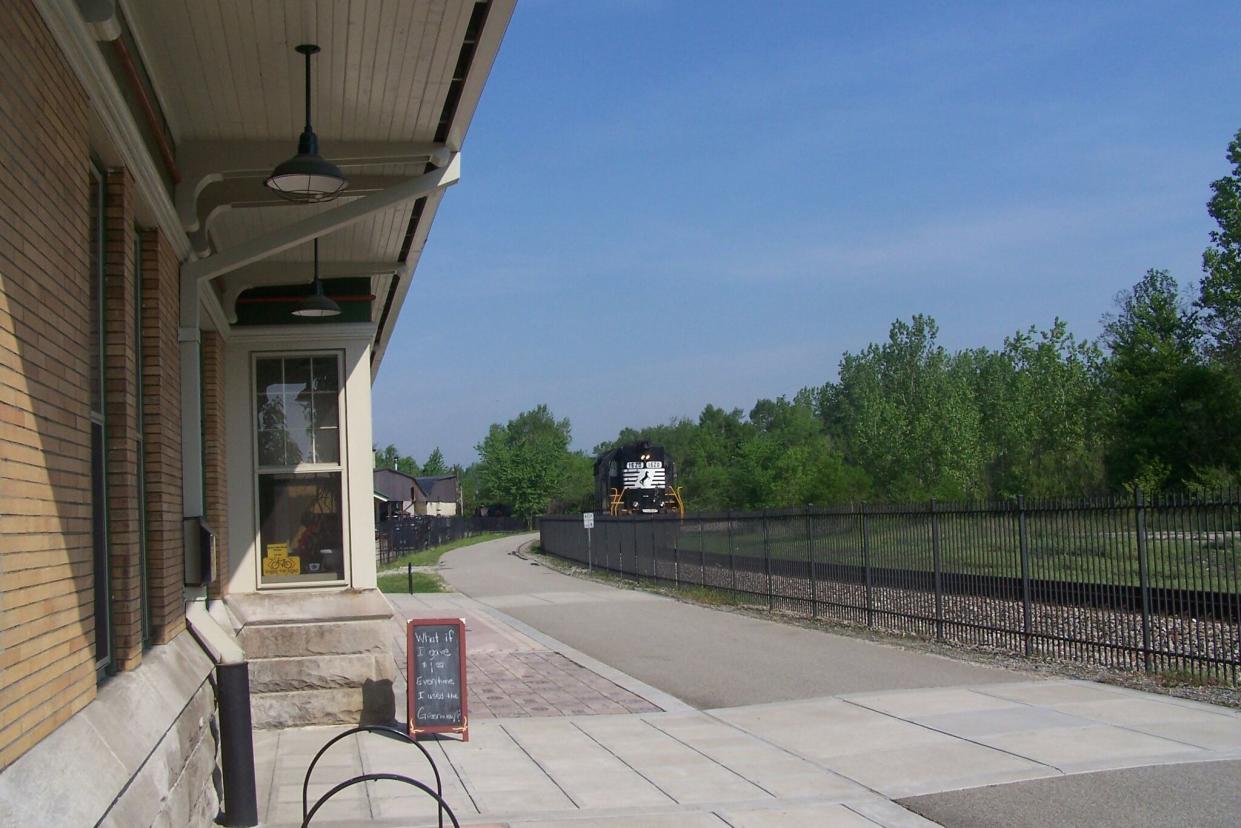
(98, 450)
(297, 428)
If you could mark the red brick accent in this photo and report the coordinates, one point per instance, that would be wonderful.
(215, 471)
(121, 404)
(161, 421)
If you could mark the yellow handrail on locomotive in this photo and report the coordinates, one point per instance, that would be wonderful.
(617, 500)
(676, 498)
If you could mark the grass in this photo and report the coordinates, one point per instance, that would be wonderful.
(399, 583)
(430, 557)
(1098, 553)
(1177, 677)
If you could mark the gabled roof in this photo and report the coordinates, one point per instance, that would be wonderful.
(394, 485)
(437, 489)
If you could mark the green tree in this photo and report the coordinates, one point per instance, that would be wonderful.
(435, 464)
(1219, 294)
(786, 459)
(905, 414)
(1172, 413)
(390, 458)
(577, 492)
(525, 463)
(1040, 404)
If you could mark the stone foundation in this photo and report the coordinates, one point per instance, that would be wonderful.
(145, 752)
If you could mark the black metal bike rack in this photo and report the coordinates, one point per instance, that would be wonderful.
(308, 812)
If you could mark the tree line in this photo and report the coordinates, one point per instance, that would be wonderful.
(1154, 402)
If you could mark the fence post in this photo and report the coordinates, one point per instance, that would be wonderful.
(409, 570)
(870, 605)
(767, 562)
(814, 582)
(676, 554)
(1143, 576)
(732, 560)
(939, 574)
(1023, 543)
(702, 554)
(637, 570)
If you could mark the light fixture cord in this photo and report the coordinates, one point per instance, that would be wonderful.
(308, 91)
(318, 284)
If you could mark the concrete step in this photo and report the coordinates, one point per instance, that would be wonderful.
(372, 703)
(315, 638)
(277, 675)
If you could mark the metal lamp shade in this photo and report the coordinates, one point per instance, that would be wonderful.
(306, 178)
(316, 306)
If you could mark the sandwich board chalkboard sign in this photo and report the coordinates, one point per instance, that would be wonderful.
(435, 676)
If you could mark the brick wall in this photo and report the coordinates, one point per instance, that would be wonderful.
(161, 421)
(121, 404)
(215, 471)
(46, 628)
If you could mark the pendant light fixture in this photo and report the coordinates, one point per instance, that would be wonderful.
(316, 305)
(306, 178)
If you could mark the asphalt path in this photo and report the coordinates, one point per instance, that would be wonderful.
(707, 658)
(1203, 795)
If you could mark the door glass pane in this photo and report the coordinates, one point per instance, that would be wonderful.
(297, 404)
(327, 439)
(325, 374)
(301, 530)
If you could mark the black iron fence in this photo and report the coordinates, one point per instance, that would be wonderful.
(1131, 583)
(398, 536)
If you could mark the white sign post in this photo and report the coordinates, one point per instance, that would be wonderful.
(588, 521)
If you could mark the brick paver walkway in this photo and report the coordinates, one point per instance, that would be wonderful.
(511, 675)
(543, 683)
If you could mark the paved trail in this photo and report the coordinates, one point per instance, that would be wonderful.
(704, 657)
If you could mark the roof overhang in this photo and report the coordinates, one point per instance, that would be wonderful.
(201, 104)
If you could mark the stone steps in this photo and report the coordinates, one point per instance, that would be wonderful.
(318, 659)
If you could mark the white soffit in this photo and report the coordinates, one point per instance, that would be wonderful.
(231, 84)
(227, 68)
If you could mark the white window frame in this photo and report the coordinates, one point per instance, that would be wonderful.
(341, 467)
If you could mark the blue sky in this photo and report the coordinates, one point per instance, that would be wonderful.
(669, 204)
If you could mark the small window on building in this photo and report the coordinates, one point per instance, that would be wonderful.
(297, 427)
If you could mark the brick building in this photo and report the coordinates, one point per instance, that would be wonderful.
(185, 465)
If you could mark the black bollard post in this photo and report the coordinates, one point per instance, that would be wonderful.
(241, 809)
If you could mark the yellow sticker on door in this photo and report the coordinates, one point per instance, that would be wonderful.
(278, 561)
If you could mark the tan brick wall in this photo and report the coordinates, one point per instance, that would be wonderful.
(161, 417)
(121, 403)
(216, 473)
(46, 624)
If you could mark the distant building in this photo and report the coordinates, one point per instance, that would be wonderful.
(438, 496)
(394, 494)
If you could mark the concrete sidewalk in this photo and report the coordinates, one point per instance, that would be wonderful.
(965, 753)
(818, 762)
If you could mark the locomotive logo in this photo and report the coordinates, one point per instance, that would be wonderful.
(648, 475)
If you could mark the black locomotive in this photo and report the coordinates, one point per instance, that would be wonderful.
(637, 479)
